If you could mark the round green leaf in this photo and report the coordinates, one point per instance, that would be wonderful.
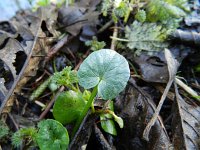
(68, 107)
(52, 135)
(107, 69)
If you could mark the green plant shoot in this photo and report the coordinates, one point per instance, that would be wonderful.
(107, 72)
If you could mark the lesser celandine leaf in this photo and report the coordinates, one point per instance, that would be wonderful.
(52, 135)
(107, 69)
(68, 106)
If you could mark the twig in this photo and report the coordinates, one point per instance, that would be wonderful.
(81, 60)
(105, 26)
(39, 103)
(57, 47)
(157, 111)
(14, 122)
(43, 114)
(115, 33)
(172, 66)
(187, 89)
(128, 13)
(101, 137)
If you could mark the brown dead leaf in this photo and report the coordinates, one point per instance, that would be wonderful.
(136, 107)
(172, 65)
(73, 18)
(185, 124)
(28, 27)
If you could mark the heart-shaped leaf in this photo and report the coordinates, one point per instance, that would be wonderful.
(52, 135)
(68, 107)
(107, 69)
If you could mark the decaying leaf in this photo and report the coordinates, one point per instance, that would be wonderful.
(8, 54)
(18, 51)
(185, 124)
(3, 89)
(153, 68)
(73, 18)
(136, 108)
(172, 65)
(187, 37)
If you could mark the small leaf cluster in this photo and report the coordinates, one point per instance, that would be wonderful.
(28, 134)
(66, 77)
(141, 16)
(50, 134)
(165, 10)
(95, 44)
(44, 3)
(117, 8)
(4, 130)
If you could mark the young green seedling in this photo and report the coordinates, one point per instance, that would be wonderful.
(107, 72)
(50, 135)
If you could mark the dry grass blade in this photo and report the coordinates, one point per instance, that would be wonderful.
(172, 68)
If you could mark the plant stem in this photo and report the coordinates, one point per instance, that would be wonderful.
(188, 89)
(118, 39)
(128, 13)
(84, 112)
(113, 43)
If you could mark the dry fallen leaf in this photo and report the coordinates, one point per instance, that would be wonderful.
(185, 124)
(18, 50)
(172, 65)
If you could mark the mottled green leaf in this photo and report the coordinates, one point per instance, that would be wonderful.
(52, 135)
(107, 69)
(146, 36)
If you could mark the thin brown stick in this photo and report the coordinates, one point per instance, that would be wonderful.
(104, 27)
(57, 47)
(81, 60)
(115, 33)
(14, 122)
(43, 114)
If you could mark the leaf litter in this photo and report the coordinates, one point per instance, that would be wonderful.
(152, 118)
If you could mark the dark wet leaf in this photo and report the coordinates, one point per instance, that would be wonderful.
(8, 54)
(172, 66)
(153, 68)
(87, 33)
(187, 36)
(136, 108)
(83, 134)
(74, 18)
(185, 124)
